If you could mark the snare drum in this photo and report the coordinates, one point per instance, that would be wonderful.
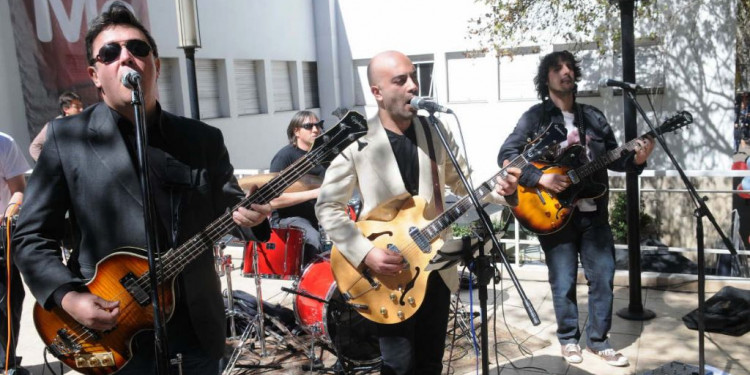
(279, 258)
(353, 337)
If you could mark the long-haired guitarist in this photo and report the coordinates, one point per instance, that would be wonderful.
(588, 233)
(88, 167)
(399, 157)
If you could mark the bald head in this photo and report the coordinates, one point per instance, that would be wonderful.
(393, 82)
(383, 63)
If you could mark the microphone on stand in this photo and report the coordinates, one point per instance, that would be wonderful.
(428, 104)
(131, 79)
(606, 82)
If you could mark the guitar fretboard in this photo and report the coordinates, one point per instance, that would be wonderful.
(432, 230)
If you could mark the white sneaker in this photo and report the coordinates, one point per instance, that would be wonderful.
(572, 353)
(612, 357)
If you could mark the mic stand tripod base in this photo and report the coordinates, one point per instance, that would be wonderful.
(634, 314)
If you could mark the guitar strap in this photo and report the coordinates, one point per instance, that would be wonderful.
(435, 178)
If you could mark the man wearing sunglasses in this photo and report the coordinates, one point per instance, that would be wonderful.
(297, 209)
(88, 166)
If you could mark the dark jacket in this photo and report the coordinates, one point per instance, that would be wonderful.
(85, 168)
(598, 133)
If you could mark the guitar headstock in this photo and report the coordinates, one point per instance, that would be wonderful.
(554, 134)
(681, 119)
(329, 144)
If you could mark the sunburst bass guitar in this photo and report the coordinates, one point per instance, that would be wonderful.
(124, 276)
(392, 299)
(543, 212)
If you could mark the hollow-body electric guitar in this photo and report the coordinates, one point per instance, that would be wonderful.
(123, 276)
(543, 212)
(393, 299)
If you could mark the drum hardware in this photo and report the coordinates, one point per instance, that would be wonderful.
(321, 310)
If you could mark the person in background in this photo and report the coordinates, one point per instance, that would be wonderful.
(70, 104)
(12, 186)
(297, 209)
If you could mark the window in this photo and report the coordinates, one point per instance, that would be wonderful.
(517, 74)
(282, 86)
(310, 82)
(209, 96)
(248, 97)
(649, 64)
(465, 76)
(168, 85)
(424, 75)
(362, 95)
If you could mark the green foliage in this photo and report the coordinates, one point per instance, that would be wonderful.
(649, 226)
(508, 23)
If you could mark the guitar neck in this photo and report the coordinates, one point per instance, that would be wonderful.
(175, 261)
(608, 158)
(432, 230)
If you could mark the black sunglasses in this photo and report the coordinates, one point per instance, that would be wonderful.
(309, 125)
(110, 52)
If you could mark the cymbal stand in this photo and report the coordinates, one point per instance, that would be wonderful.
(259, 296)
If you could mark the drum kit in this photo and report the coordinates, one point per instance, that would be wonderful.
(319, 308)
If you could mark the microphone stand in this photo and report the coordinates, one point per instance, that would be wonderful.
(700, 211)
(152, 240)
(482, 267)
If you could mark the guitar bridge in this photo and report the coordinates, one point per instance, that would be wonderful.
(63, 344)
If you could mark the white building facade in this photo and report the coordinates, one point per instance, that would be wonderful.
(263, 60)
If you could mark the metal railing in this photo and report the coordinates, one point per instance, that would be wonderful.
(530, 241)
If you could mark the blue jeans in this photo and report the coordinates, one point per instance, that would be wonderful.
(589, 236)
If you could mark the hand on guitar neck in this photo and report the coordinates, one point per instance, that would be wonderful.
(643, 148)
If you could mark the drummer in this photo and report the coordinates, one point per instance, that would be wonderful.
(297, 209)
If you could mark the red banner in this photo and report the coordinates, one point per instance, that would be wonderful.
(51, 49)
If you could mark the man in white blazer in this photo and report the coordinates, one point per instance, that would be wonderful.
(389, 164)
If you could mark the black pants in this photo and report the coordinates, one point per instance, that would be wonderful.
(416, 346)
(17, 294)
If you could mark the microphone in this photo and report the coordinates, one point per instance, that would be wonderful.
(131, 79)
(604, 82)
(428, 104)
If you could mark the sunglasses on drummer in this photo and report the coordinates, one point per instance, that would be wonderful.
(110, 52)
(309, 125)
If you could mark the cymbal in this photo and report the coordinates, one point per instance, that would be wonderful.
(307, 182)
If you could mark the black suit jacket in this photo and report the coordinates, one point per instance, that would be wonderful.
(85, 168)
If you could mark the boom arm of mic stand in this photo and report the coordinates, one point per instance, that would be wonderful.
(530, 311)
(700, 202)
